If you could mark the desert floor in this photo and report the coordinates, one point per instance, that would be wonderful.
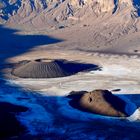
(50, 114)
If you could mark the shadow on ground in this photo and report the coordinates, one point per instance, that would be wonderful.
(13, 44)
(58, 120)
(136, 4)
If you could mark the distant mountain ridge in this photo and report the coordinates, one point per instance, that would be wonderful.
(88, 24)
(52, 13)
(10, 8)
(24, 8)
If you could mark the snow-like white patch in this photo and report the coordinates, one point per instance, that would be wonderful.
(50, 110)
(135, 116)
(105, 79)
(116, 70)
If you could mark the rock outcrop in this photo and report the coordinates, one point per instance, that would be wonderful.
(18, 10)
(100, 102)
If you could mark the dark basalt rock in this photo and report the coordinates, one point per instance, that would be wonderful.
(100, 102)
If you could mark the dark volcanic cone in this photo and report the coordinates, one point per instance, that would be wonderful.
(44, 68)
(100, 102)
(40, 69)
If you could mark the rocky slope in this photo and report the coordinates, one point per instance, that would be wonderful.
(47, 12)
(104, 21)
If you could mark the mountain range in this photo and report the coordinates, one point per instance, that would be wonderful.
(98, 23)
(65, 12)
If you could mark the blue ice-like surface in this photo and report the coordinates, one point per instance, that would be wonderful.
(136, 4)
(53, 116)
(130, 106)
(91, 125)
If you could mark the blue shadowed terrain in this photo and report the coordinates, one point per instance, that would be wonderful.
(12, 45)
(66, 122)
(115, 8)
(136, 3)
(9, 8)
(52, 117)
